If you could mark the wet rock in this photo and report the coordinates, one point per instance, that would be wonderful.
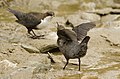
(111, 52)
(30, 49)
(105, 66)
(89, 77)
(56, 74)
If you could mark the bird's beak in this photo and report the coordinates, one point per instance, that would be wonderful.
(57, 23)
(53, 16)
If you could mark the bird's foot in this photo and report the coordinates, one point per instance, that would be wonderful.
(64, 68)
(38, 37)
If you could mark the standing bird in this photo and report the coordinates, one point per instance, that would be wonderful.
(81, 30)
(31, 20)
(69, 45)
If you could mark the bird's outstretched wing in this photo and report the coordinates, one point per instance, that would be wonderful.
(82, 29)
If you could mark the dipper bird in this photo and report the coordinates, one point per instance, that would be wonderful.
(81, 30)
(69, 46)
(32, 19)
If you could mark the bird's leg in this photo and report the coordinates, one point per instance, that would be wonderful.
(29, 32)
(66, 63)
(34, 33)
(35, 36)
(79, 63)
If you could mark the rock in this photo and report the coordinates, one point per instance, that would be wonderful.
(70, 2)
(6, 65)
(103, 11)
(82, 17)
(89, 77)
(45, 45)
(55, 4)
(41, 68)
(110, 21)
(21, 73)
(112, 31)
(30, 49)
(90, 16)
(110, 18)
(52, 36)
(48, 48)
(76, 19)
(88, 6)
(35, 64)
(116, 1)
(4, 3)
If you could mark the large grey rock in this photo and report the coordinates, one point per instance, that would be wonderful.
(89, 16)
(110, 21)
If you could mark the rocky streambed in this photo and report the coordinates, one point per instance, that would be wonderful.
(22, 57)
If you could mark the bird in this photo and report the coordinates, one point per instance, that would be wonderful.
(31, 20)
(81, 29)
(69, 45)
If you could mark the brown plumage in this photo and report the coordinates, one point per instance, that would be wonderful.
(82, 29)
(69, 46)
(30, 20)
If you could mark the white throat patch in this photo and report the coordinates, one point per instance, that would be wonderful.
(44, 22)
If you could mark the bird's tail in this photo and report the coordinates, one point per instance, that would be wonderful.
(15, 12)
(85, 40)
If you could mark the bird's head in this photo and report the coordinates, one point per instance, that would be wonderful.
(69, 24)
(50, 13)
(59, 27)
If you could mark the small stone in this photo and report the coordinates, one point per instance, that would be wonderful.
(30, 49)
